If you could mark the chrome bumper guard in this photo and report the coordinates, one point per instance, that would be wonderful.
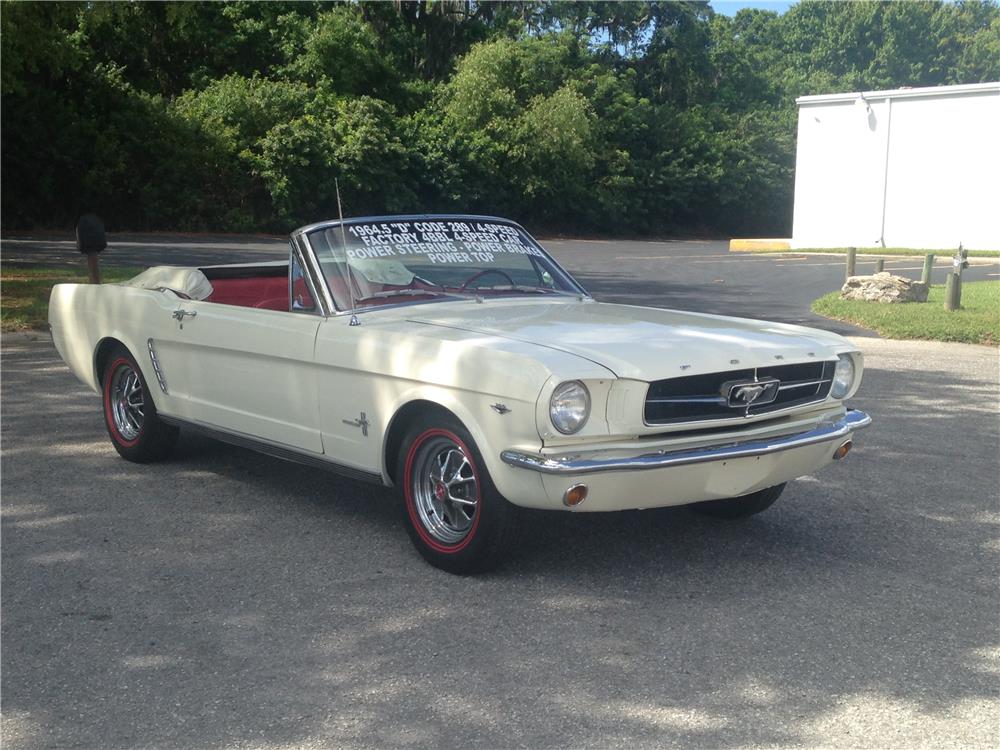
(587, 463)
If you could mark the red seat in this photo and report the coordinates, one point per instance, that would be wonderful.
(275, 303)
(270, 292)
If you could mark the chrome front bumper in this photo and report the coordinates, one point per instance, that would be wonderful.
(595, 461)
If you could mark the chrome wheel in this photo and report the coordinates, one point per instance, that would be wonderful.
(445, 489)
(128, 402)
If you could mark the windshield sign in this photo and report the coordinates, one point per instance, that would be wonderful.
(389, 262)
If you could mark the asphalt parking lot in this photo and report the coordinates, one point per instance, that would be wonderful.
(698, 275)
(229, 600)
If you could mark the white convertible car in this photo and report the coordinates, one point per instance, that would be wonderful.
(451, 357)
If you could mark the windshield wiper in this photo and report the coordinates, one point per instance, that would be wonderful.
(403, 293)
(523, 288)
(468, 294)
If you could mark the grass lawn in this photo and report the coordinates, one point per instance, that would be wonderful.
(909, 251)
(24, 292)
(978, 322)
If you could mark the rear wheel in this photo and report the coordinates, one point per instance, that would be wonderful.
(136, 430)
(454, 515)
(740, 507)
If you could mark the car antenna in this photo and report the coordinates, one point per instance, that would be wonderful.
(347, 260)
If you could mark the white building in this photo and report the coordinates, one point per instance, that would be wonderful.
(916, 168)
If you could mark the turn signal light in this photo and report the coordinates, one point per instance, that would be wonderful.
(575, 495)
(843, 450)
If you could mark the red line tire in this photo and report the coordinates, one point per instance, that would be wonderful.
(135, 428)
(740, 507)
(455, 516)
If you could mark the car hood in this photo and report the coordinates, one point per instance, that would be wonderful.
(642, 343)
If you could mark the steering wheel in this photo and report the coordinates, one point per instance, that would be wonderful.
(485, 272)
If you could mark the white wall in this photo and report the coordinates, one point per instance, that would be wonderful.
(914, 168)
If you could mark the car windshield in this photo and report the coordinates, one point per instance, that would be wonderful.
(408, 260)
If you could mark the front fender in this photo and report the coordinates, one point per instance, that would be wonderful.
(491, 430)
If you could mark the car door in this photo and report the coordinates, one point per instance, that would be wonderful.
(349, 416)
(244, 370)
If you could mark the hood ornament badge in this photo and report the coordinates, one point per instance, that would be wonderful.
(751, 393)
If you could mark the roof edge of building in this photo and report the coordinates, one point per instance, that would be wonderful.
(904, 93)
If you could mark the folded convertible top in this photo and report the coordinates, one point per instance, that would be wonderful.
(189, 282)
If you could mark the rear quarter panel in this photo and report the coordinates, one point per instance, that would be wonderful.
(81, 316)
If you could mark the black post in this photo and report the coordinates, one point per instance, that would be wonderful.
(90, 240)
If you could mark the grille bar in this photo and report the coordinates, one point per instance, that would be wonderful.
(803, 384)
(688, 400)
(696, 398)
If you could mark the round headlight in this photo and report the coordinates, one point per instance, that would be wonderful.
(843, 376)
(569, 406)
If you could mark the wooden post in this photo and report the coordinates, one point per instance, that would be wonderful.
(852, 254)
(925, 277)
(953, 287)
(92, 269)
(952, 292)
(880, 265)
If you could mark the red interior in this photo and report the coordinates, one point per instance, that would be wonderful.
(268, 292)
(271, 292)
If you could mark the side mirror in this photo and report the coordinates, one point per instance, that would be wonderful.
(90, 240)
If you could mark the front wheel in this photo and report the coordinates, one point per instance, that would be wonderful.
(454, 515)
(136, 430)
(742, 506)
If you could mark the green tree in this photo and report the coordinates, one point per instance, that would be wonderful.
(583, 116)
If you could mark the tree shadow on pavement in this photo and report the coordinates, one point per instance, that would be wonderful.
(229, 599)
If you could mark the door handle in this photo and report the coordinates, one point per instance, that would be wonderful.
(178, 315)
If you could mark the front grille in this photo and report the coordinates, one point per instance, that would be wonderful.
(701, 397)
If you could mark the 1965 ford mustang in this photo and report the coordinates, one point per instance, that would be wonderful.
(451, 357)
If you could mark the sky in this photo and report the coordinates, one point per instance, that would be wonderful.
(731, 7)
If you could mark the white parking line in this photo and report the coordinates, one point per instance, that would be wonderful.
(670, 257)
(860, 266)
(809, 265)
(723, 259)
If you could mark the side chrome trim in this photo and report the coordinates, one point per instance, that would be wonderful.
(156, 365)
(587, 463)
(277, 451)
